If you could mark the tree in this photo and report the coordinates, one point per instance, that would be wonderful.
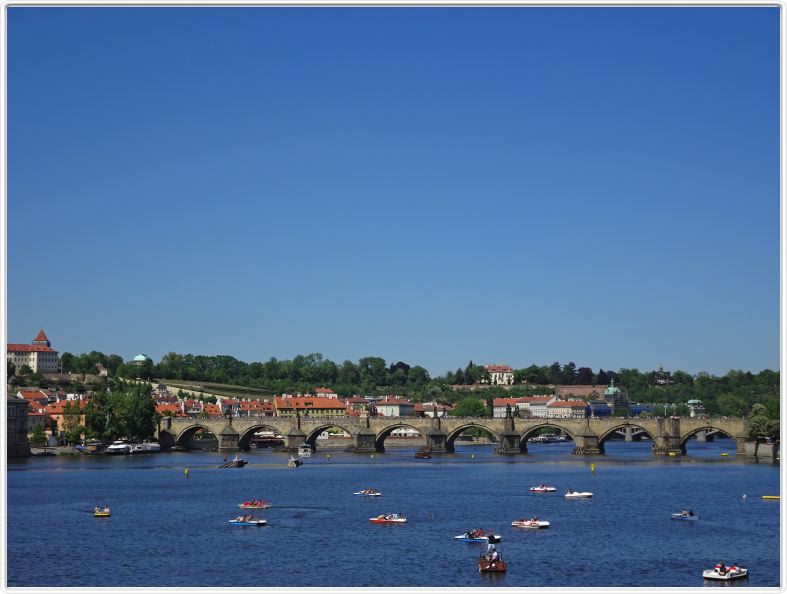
(469, 407)
(72, 426)
(37, 437)
(730, 405)
(10, 369)
(584, 376)
(25, 370)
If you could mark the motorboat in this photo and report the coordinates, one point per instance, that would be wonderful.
(90, 447)
(260, 504)
(725, 574)
(294, 462)
(235, 463)
(118, 447)
(522, 523)
(145, 448)
(491, 561)
(388, 519)
(368, 493)
(248, 521)
(479, 536)
(578, 494)
(542, 489)
(304, 450)
(685, 516)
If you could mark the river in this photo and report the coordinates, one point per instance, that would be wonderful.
(167, 530)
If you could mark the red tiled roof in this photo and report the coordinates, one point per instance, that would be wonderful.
(33, 395)
(357, 400)
(56, 408)
(299, 402)
(499, 368)
(212, 409)
(41, 336)
(323, 391)
(568, 404)
(163, 407)
(30, 347)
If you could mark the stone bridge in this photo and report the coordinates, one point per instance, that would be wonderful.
(668, 435)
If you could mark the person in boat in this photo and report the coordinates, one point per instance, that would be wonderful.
(98, 509)
(570, 491)
(534, 519)
(106, 509)
(721, 568)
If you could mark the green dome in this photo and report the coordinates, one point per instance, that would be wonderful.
(141, 358)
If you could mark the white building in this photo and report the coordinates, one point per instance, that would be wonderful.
(38, 356)
(395, 407)
(500, 375)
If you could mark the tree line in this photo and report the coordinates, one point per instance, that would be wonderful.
(732, 394)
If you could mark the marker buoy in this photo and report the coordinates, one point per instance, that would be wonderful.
(592, 467)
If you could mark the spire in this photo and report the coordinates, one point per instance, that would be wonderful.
(41, 339)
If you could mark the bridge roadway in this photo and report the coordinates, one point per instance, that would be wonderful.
(668, 435)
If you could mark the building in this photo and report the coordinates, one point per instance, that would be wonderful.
(432, 409)
(141, 359)
(500, 375)
(617, 398)
(325, 393)
(256, 408)
(599, 408)
(567, 409)
(500, 407)
(357, 404)
(17, 444)
(313, 406)
(696, 409)
(38, 355)
(535, 406)
(584, 392)
(58, 417)
(394, 407)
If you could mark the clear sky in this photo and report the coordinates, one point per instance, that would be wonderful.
(521, 185)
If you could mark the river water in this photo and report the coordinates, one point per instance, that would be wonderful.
(167, 530)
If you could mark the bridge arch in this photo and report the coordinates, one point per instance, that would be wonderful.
(186, 434)
(244, 439)
(456, 432)
(311, 437)
(608, 433)
(548, 423)
(689, 434)
(379, 440)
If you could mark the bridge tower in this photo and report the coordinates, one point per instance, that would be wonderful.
(436, 438)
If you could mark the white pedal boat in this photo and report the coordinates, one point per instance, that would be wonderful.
(542, 489)
(579, 494)
(730, 573)
(530, 524)
(684, 517)
(368, 493)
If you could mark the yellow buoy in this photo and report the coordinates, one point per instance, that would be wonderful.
(592, 467)
(472, 456)
(186, 472)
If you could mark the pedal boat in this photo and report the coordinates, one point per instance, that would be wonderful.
(389, 519)
(731, 573)
(542, 489)
(479, 536)
(530, 524)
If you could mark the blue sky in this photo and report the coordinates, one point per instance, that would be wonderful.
(517, 185)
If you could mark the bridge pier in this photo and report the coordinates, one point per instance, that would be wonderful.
(365, 441)
(629, 436)
(587, 444)
(293, 439)
(702, 436)
(437, 440)
(228, 439)
(510, 443)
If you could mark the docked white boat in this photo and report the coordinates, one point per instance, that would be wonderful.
(145, 448)
(542, 489)
(119, 447)
(304, 450)
(530, 524)
(725, 574)
(579, 494)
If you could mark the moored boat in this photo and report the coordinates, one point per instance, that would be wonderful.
(532, 523)
(388, 519)
(304, 450)
(722, 573)
(145, 448)
(119, 447)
